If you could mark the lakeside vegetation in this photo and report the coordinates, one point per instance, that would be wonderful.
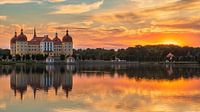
(148, 53)
(141, 53)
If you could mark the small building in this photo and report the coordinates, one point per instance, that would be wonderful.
(170, 57)
(50, 59)
(70, 60)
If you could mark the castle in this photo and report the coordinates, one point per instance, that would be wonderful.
(19, 45)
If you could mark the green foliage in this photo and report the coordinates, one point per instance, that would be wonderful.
(18, 57)
(62, 57)
(137, 53)
(33, 57)
(95, 54)
(140, 53)
(10, 57)
(4, 57)
(4, 52)
(27, 57)
(40, 57)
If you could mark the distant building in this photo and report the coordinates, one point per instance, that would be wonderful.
(19, 45)
(170, 57)
(70, 60)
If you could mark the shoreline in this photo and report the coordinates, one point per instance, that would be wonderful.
(94, 62)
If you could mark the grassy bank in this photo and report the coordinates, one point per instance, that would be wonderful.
(17, 62)
(6, 63)
(98, 62)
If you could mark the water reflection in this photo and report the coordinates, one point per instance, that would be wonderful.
(62, 88)
(39, 78)
(44, 77)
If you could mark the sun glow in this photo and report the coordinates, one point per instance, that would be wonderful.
(173, 42)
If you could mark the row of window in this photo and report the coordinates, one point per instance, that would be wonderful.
(41, 49)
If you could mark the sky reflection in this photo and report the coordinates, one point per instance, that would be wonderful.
(89, 89)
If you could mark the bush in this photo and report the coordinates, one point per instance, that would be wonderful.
(62, 57)
(18, 57)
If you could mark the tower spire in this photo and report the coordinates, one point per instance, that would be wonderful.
(56, 34)
(21, 31)
(67, 32)
(15, 34)
(34, 32)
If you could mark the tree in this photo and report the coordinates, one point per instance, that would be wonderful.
(23, 57)
(33, 57)
(45, 56)
(27, 57)
(4, 57)
(18, 57)
(62, 57)
(10, 57)
(40, 57)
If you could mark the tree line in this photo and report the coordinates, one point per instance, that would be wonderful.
(141, 53)
(137, 53)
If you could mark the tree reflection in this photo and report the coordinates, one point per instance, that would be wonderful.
(45, 77)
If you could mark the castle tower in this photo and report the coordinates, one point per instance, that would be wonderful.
(67, 44)
(21, 44)
(57, 45)
(13, 45)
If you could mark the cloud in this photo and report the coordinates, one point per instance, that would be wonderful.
(152, 3)
(186, 24)
(77, 8)
(56, 0)
(67, 110)
(18, 1)
(2, 106)
(125, 17)
(180, 5)
(3, 18)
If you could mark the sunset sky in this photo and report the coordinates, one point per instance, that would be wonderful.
(104, 23)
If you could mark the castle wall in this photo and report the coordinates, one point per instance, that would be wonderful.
(21, 47)
(67, 48)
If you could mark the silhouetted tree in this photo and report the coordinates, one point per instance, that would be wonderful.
(18, 57)
(62, 57)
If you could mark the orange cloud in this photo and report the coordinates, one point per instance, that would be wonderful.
(3, 18)
(77, 8)
(56, 0)
(17, 1)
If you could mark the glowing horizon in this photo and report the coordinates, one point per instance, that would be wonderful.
(104, 23)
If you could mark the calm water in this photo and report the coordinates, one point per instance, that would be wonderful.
(57, 88)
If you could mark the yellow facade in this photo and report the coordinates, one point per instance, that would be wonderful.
(67, 48)
(58, 50)
(41, 45)
(21, 47)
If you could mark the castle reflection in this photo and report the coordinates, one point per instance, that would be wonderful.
(40, 78)
(60, 77)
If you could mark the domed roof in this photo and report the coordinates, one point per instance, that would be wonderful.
(46, 39)
(56, 40)
(67, 37)
(21, 37)
(13, 40)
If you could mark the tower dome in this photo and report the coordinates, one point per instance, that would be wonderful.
(56, 40)
(13, 40)
(21, 37)
(67, 37)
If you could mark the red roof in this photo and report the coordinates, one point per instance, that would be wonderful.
(56, 40)
(13, 40)
(21, 37)
(35, 40)
(46, 39)
(67, 37)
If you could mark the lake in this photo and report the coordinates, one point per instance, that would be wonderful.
(100, 88)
